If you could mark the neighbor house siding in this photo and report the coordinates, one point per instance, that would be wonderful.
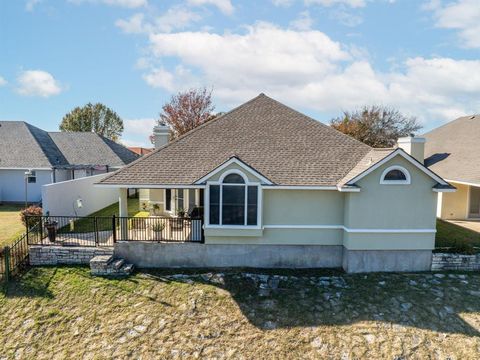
(391, 207)
(12, 185)
(454, 205)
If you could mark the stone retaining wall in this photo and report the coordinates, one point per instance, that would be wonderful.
(58, 255)
(447, 261)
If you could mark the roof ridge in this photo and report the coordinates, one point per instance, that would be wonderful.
(458, 119)
(181, 137)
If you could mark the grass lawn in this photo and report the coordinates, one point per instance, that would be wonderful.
(11, 226)
(86, 225)
(58, 313)
(451, 235)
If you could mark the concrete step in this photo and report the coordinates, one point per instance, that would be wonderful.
(118, 263)
(127, 269)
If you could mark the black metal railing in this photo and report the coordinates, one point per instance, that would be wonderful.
(105, 231)
(14, 258)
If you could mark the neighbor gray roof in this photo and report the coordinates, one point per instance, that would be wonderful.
(452, 150)
(280, 143)
(25, 146)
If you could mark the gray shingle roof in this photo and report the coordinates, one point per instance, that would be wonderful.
(284, 145)
(370, 159)
(86, 148)
(25, 146)
(452, 150)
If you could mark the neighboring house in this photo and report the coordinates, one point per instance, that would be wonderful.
(452, 151)
(51, 157)
(280, 189)
(140, 150)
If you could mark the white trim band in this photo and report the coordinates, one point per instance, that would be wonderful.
(353, 230)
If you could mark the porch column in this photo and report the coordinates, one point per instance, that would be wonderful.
(123, 213)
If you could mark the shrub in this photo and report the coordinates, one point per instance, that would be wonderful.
(32, 210)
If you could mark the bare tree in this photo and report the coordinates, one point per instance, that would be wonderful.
(187, 110)
(376, 126)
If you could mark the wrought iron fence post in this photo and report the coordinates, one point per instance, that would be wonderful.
(95, 229)
(114, 229)
(6, 252)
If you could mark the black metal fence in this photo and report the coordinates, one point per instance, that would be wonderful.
(105, 231)
(14, 258)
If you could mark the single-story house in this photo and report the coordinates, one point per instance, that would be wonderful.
(452, 151)
(280, 189)
(51, 157)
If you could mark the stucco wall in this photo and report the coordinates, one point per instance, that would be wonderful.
(12, 185)
(61, 198)
(295, 208)
(454, 205)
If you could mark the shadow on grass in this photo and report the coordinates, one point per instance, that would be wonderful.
(34, 283)
(328, 297)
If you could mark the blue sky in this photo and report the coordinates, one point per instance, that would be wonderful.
(318, 56)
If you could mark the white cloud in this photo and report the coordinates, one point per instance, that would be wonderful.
(303, 22)
(283, 3)
(345, 17)
(3, 82)
(37, 83)
(137, 132)
(328, 3)
(122, 3)
(30, 4)
(307, 69)
(174, 18)
(225, 6)
(461, 15)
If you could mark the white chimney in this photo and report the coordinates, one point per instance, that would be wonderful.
(414, 146)
(161, 135)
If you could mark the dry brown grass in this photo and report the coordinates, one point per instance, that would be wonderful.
(59, 313)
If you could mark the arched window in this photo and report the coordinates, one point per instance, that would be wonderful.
(233, 201)
(395, 175)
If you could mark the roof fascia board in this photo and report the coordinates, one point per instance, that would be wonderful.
(464, 182)
(406, 157)
(147, 186)
(238, 162)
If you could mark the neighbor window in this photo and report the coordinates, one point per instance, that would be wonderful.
(32, 178)
(168, 199)
(395, 175)
(233, 202)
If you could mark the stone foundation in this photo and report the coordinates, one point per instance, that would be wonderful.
(106, 265)
(356, 261)
(152, 255)
(61, 255)
(447, 261)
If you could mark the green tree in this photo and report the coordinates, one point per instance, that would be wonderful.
(376, 126)
(96, 118)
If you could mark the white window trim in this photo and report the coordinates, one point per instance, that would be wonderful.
(395, 182)
(246, 184)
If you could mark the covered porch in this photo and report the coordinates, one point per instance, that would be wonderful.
(464, 204)
(165, 215)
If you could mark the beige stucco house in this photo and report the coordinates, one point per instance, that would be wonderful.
(280, 189)
(452, 152)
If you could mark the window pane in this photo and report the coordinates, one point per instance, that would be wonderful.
(233, 205)
(168, 199)
(214, 204)
(395, 175)
(233, 179)
(180, 206)
(252, 205)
